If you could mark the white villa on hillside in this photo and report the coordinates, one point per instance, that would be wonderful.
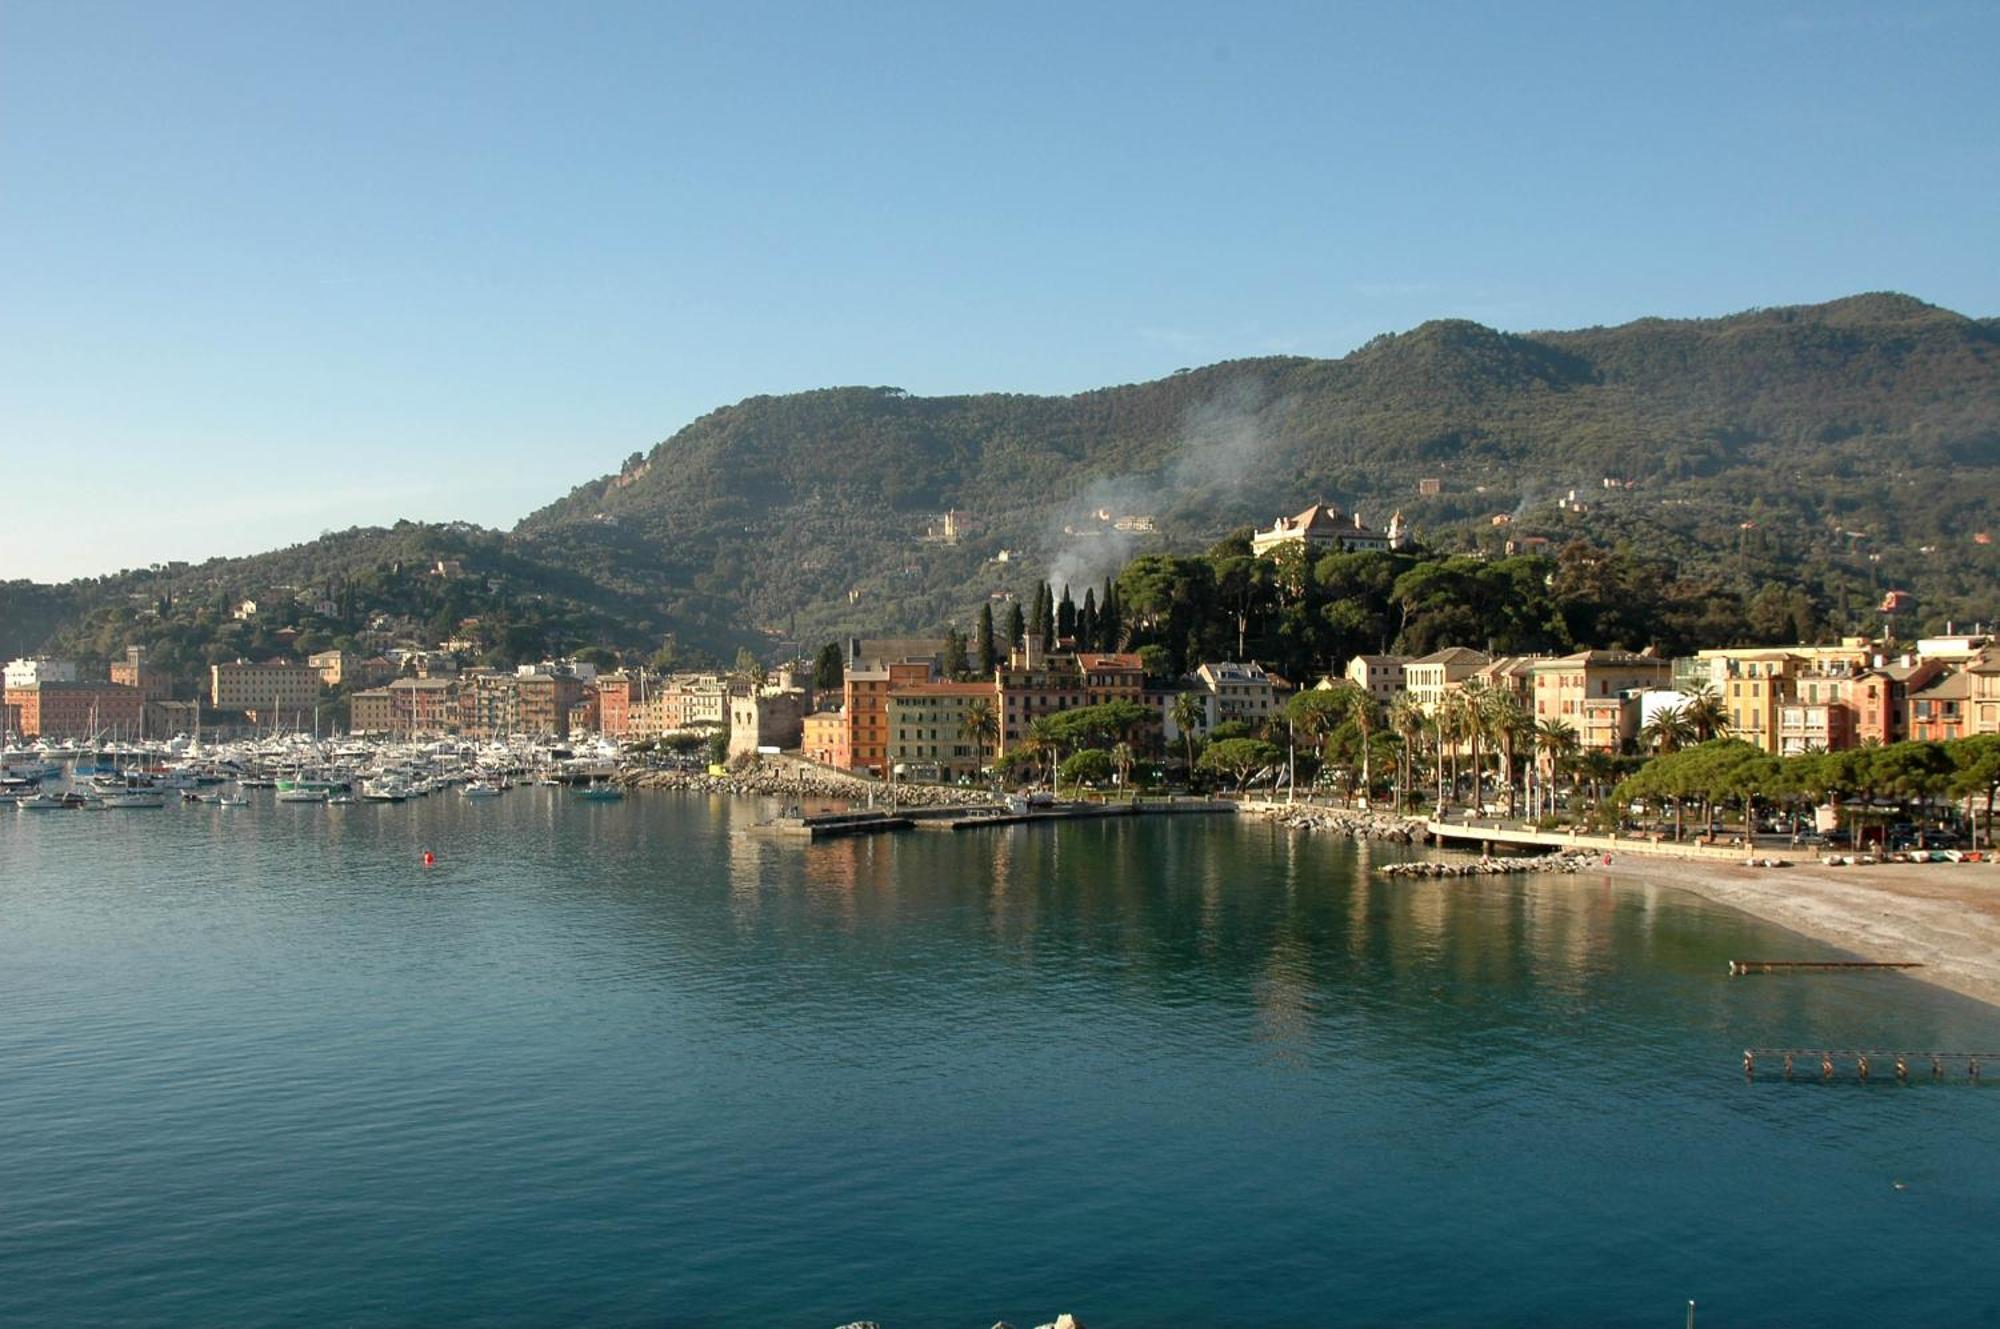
(1323, 529)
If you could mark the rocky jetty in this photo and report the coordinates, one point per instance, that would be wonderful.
(788, 782)
(1426, 868)
(1354, 823)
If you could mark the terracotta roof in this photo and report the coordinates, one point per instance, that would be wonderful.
(1464, 655)
(942, 690)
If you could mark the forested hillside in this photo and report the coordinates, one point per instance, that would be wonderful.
(1852, 448)
(1834, 452)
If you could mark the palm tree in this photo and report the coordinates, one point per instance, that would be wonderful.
(1704, 712)
(1407, 719)
(1189, 713)
(1507, 723)
(1466, 724)
(1556, 740)
(1121, 761)
(1443, 723)
(980, 727)
(1597, 767)
(1668, 731)
(1360, 704)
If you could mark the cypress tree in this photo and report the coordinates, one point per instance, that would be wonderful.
(1065, 615)
(1086, 621)
(982, 642)
(1017, 625)
(830, 669)
(1047, 620)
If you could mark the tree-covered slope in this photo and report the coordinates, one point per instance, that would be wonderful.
(1854, 445)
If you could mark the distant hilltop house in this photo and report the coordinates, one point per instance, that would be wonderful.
(245, 610)
(1895, 602)
(944, 531)
(1430, 487)
(1323, 528)
(448, 568)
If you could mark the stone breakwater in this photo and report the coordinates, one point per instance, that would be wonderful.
(1353, 823)
(1490, 867)
(774, 782)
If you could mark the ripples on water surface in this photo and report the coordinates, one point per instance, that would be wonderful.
(611, 1064)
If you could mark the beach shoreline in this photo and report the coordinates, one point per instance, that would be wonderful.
(1944, 916)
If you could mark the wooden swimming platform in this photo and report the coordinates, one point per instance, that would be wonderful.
(1829, 1062)
(1738, 968)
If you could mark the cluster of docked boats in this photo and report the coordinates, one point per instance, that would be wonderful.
(296, 770)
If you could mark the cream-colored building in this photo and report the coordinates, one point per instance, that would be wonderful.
(1429, 677)
(927, 724)
(1985, 675)
(29, 672)
(283, 687)
(1380, 676)
(334, 667)
(1242, 691)
(1322, 529)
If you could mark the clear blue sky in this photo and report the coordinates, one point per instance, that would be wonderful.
(271, 268)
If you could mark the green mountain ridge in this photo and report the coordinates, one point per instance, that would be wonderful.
(1830, 445)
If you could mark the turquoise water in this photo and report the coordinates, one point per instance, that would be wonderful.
(610, 1064)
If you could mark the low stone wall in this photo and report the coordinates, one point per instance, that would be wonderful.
(1490, 867)
(779, 782)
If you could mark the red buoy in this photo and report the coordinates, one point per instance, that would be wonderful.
(429, 858)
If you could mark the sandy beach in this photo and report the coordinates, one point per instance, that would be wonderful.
(1943, 915)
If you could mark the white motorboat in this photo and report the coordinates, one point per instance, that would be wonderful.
(385, 790)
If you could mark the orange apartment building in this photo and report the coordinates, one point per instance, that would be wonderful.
(614, 704)
(1596, 693)
(546, 701)
(1881, 700)
(825, 740)
(76, 710)
(134, 672)
(406, 706)
(1940, 708)
(865, 704)
(1033, 684)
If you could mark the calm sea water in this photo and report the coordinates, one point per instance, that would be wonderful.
(612, 1064)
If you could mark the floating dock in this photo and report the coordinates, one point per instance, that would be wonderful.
(828, 825)
(966, 820)
(1737, 968)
